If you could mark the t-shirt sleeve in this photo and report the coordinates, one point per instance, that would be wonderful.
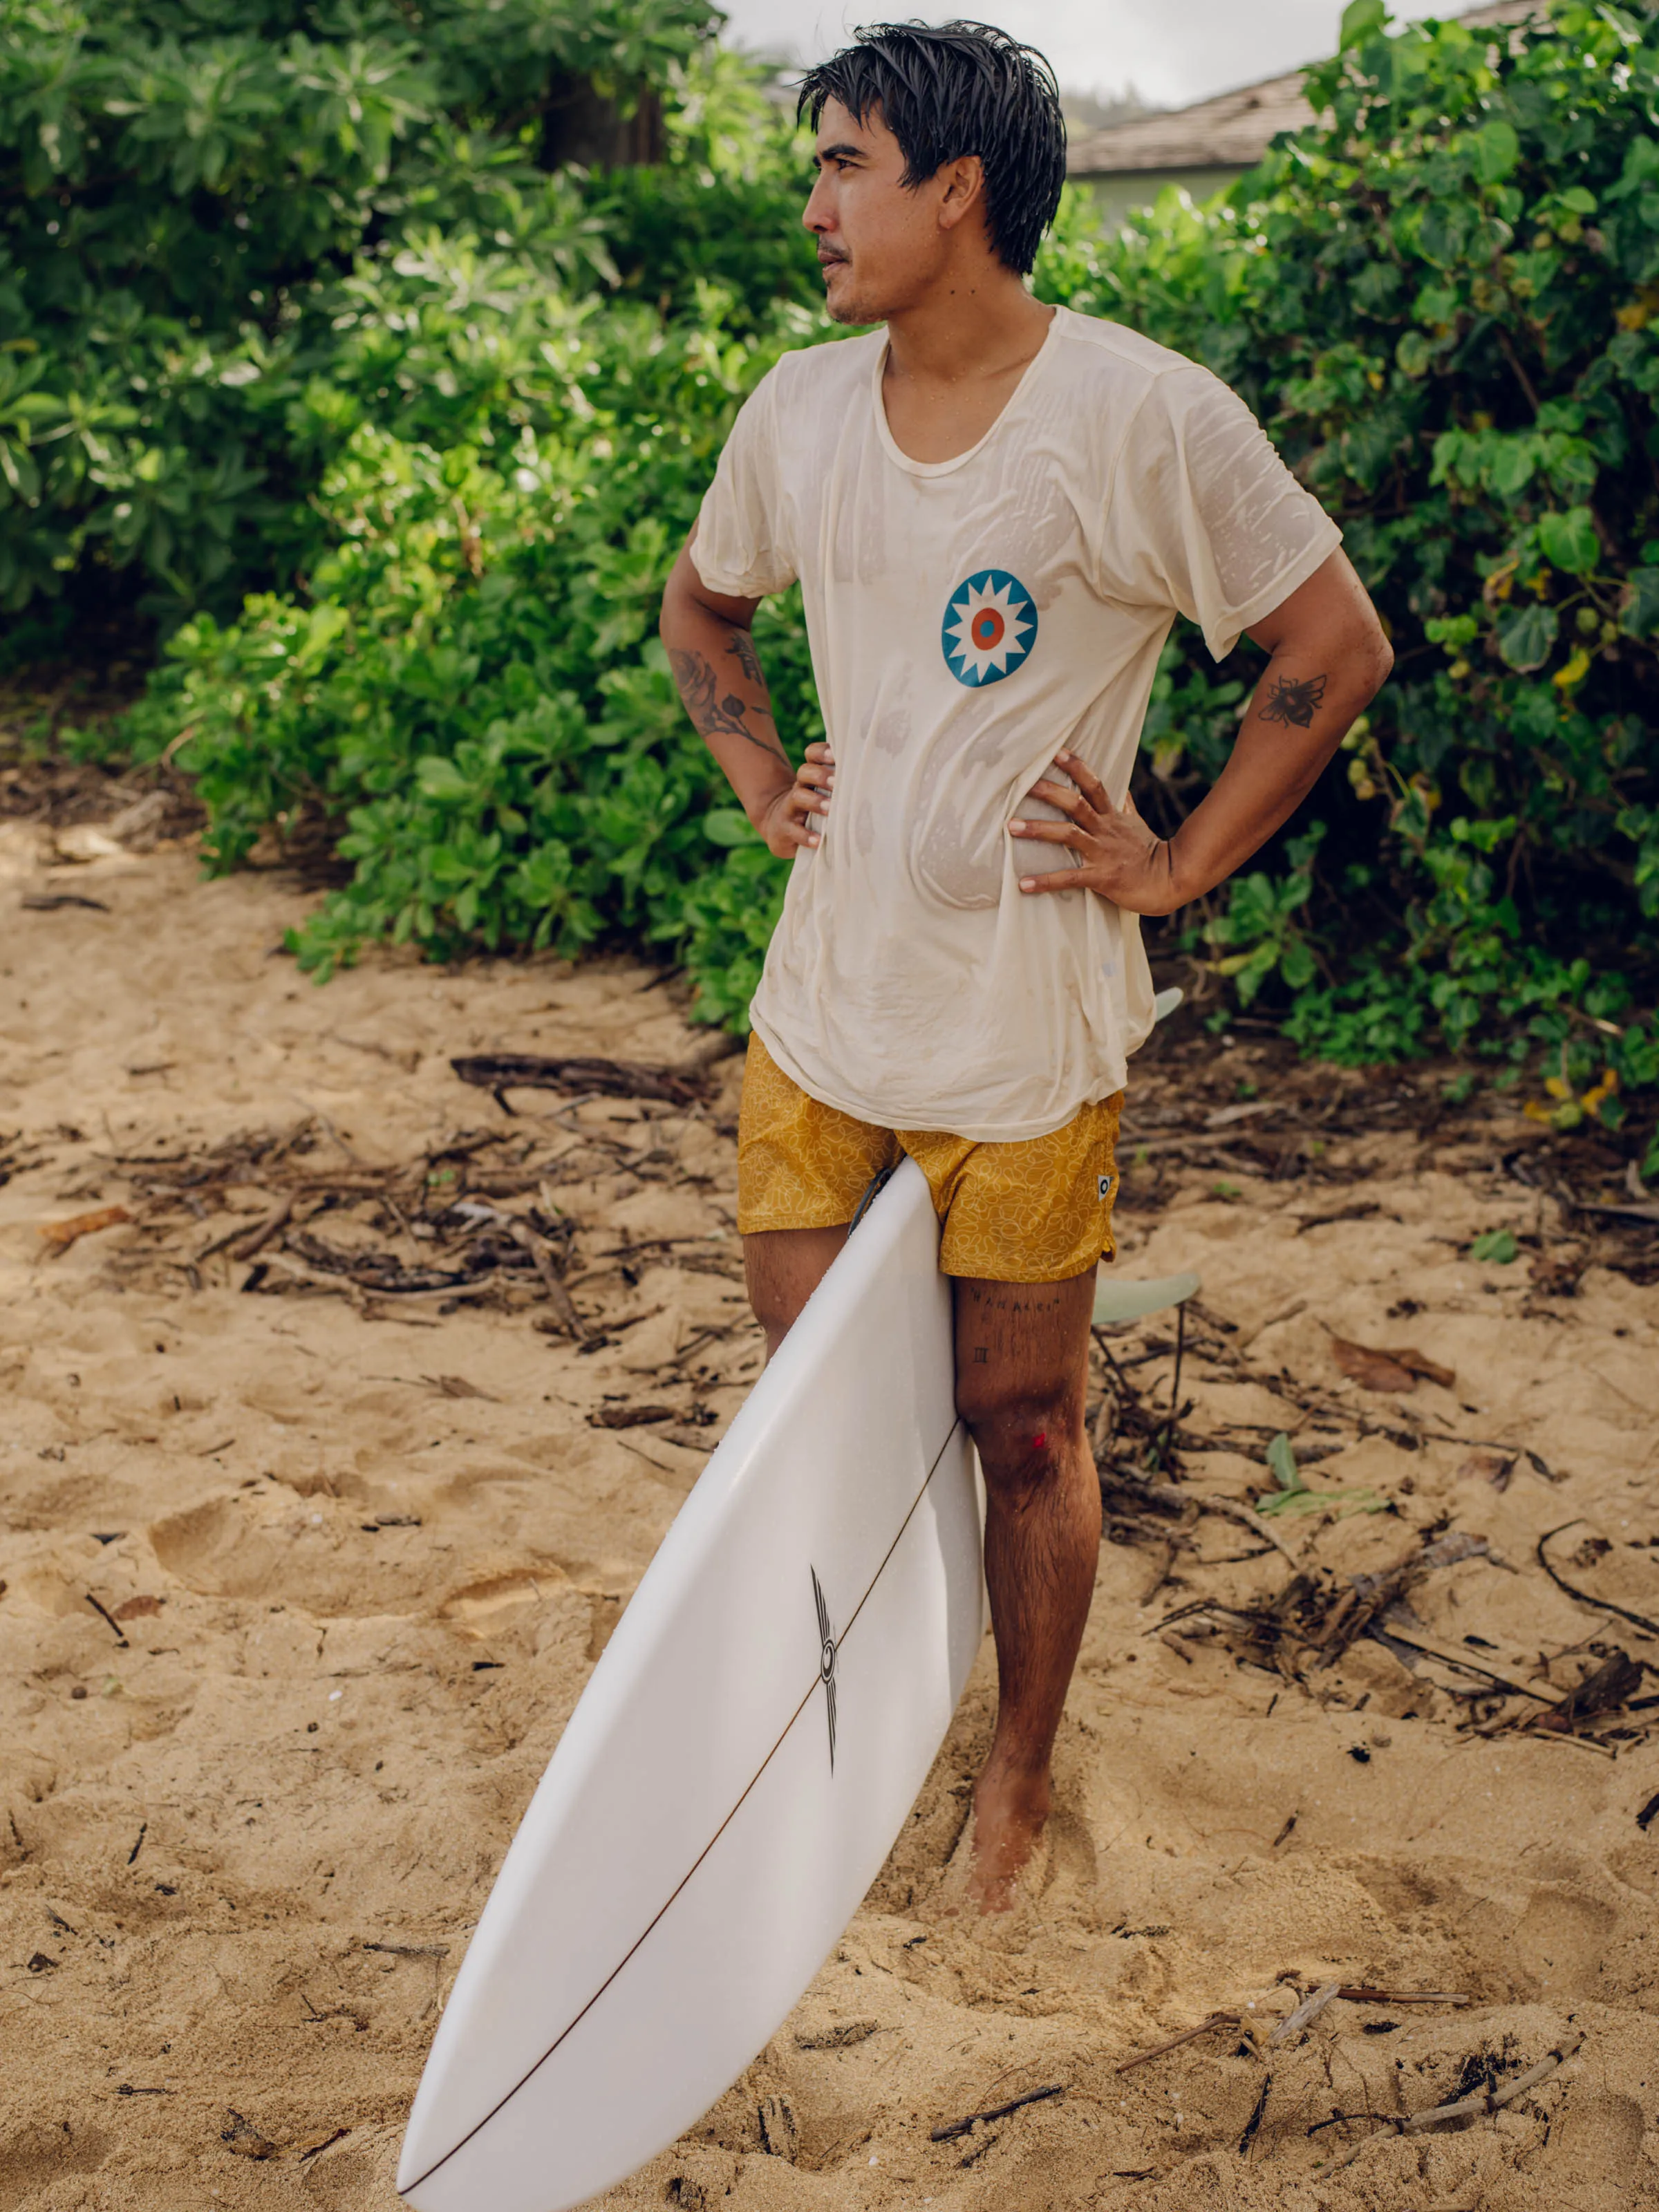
(741, 547)
(1205, 516)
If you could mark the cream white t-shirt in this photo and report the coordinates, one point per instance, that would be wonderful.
(967, 617)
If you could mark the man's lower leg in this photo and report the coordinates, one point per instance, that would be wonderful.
(1041, 1545)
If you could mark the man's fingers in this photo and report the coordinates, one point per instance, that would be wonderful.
(1077, 804)
(1058, 795)
(1049, 833)
(1086, 781)
(1061, 879)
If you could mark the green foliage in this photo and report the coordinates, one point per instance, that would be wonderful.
(473, 686)
(398, 433)
(1496, 1245)
(183, 184)
(1291, 1497)
(1443, 303)
(396, 430)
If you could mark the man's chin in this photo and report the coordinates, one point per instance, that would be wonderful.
(841, 303)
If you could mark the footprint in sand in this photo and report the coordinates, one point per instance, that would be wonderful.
(311, 1552)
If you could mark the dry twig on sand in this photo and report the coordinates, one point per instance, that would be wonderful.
(1305, 2013)
(1165, 1497)
(1310, 1622)
(1188, 2035)
(1483, 2101)
(500, 1072)
(1601, 1604)
(963, 2127)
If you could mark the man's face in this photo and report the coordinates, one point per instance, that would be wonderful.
(879, 243)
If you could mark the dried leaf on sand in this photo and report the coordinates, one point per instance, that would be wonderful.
(1396, 1369)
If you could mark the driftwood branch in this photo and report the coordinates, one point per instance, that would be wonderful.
(1306, 2013)
(1483, 2101)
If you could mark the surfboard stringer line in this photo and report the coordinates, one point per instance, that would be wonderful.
(479, 2125)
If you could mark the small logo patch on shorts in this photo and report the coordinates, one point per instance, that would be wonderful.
(1105, 1188)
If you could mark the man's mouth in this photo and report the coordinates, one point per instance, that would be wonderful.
(827, 261)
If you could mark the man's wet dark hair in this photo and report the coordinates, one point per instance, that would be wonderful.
(959, 89)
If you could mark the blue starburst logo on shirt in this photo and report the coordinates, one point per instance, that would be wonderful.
(990, 627)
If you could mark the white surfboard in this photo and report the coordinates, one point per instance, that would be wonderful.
(748, 1747)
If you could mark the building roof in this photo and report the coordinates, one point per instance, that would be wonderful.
(1232, 130)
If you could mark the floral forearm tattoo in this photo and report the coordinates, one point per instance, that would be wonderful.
(718, 714)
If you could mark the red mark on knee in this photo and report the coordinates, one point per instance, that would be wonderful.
(1039, 1440)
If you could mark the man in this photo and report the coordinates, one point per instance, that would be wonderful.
(996, 510)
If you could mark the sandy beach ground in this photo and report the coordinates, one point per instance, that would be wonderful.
(304, 1569)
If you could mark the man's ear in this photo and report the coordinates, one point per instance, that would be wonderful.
(964, 180)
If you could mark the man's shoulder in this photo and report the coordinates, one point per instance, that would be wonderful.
(1110, 352)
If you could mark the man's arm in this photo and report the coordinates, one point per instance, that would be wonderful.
(1329, 660)
(712, 652)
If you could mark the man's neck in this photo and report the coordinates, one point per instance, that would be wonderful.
(980, 322)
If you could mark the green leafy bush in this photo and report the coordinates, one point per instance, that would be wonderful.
(316, 324)
(398, 433)
(1443, 304)
(182, 184)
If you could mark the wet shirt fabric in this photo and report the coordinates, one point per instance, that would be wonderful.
(968, 618)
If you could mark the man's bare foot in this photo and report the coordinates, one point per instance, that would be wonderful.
(1009, 1815)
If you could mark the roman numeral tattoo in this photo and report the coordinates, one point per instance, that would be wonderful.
(1294, 703)
(722, 715)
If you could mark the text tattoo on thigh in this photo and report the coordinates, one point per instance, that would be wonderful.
(1294, 703)
(1026, 1303)
(714, 715)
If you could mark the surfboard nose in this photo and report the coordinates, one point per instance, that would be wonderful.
(426, 2146)
(435, 2165)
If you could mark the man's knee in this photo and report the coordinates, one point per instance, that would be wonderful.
(782, 1268)
(772, 1306)
(1019, 1427)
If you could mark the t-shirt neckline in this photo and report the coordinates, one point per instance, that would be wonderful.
(895, 452)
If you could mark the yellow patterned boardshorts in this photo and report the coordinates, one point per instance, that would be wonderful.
(1035, 1212)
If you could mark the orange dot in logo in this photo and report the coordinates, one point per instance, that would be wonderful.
(987, 629)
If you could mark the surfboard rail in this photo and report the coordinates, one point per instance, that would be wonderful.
(829, 1550)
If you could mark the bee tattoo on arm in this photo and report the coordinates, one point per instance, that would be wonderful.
(1294, 704)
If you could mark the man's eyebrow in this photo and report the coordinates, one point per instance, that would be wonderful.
(841, 153)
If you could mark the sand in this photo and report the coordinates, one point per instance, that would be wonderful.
(301, 1583)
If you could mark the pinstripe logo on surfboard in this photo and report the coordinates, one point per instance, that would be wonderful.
(826, 1660)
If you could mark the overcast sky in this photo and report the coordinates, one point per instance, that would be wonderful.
(1171, 50)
